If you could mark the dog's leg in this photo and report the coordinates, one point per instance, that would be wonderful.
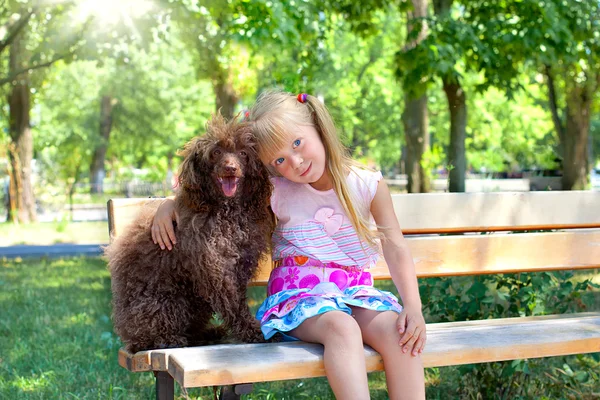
(202, 330)
(154, 324)
(230, 302)
(246, 327)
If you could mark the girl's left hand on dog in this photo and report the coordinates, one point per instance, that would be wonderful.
(163, 232)
(412, 329)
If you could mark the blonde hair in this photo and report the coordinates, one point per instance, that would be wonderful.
(275, 113)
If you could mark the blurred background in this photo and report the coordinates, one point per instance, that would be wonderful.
(97, 96)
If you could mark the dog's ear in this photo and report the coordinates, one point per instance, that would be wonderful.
(194, 157)
(258, 187)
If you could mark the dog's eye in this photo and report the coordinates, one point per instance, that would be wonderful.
(243, 153)
(217, 152)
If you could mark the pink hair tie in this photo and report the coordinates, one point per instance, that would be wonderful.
(247, 115)
(302, 98)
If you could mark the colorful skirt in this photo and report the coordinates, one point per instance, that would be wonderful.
(300, 288)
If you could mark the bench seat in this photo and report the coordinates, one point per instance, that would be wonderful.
(449, 343)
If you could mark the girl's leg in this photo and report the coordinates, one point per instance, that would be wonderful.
(344, 356)
(403, 372)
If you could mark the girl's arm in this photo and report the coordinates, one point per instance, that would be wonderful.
(411, 323)
(163, 233)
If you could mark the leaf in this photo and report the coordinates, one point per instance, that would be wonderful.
(477, 290)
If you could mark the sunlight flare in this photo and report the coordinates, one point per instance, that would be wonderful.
(111, 12)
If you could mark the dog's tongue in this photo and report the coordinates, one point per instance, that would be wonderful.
(229, 185)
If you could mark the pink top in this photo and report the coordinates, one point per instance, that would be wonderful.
(313, 223)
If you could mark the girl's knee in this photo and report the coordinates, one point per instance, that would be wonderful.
(381, 330)
(340, 327)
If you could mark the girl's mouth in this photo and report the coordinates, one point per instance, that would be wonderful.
(307, 170)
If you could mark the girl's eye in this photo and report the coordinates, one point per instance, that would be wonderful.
(279, 161)
(296, 142)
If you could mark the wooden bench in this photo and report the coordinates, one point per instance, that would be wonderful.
(571, 221)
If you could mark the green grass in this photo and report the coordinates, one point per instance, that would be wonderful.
(56, 333)
(46, 233)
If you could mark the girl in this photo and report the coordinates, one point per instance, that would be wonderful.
(320, 290)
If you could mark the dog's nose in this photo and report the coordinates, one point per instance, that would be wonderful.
(230, 169)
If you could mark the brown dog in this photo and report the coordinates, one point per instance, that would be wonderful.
(167, 298)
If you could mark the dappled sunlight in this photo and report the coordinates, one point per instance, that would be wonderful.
(77, 319)
(35, 382)
(112, 12)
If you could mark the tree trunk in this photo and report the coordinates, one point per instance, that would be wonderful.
(573, 136)
(416, 122)
(415, 118)
(457, 104)
(575, 145)
(97, 171)
(225, 95)
(14, 184)
(457, 107)
(19, 102)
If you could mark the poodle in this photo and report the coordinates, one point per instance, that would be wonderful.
(164, 299)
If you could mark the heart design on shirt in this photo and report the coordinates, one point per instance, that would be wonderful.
(331, 222)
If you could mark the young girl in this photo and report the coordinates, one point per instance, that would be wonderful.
(321, 290)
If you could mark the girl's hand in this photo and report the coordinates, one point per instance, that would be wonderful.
(411, 326)
(163, 233)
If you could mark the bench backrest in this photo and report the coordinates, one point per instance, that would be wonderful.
(426, 219)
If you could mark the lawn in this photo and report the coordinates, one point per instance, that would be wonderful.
(56, 342)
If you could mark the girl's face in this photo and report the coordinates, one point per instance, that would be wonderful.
(303, 159)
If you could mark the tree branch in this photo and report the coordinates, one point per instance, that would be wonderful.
(19, 26)
(12, 76)
(553, 105)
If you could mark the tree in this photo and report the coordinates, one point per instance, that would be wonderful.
(559, 40)
(415, 116)
(38, 33)
(445, 54)
(24, 24)
(457, 107)
(158, 105)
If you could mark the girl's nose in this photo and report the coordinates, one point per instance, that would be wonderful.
(297, 161)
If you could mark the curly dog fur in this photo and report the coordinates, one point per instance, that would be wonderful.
(167, 298)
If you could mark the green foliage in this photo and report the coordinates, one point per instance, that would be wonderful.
(514, 295)
(353, 77)
(162, 72)
(507, 135)
(159, 105)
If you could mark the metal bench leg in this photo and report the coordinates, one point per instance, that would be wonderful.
(235, 392)
(165, 386)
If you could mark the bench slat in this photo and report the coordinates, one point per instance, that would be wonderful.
(456, 212)
(491, 254)
(451, 343)
(501, 211)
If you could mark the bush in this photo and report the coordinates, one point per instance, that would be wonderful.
(512, 295)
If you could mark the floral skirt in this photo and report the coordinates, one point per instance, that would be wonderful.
(300, 288)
